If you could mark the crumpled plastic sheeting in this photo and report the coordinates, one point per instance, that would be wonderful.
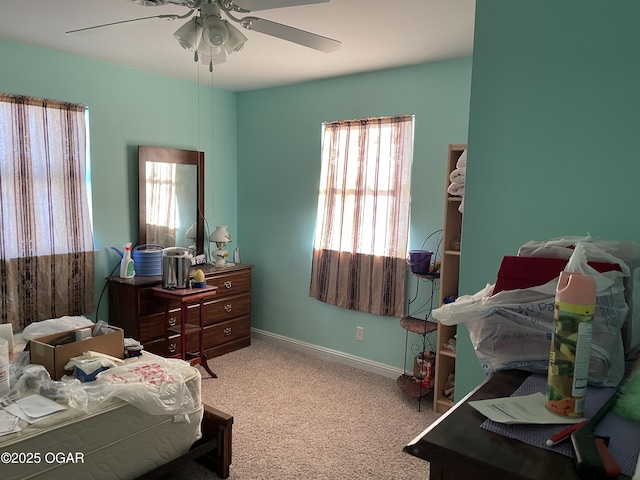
(54, 325)
(153, 384)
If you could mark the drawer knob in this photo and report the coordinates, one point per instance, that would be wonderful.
(227, 331)
(172, 321)
(227, 307)
(227, 284)
(172, 348)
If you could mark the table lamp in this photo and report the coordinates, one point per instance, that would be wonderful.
(220, 237)
(192, 234)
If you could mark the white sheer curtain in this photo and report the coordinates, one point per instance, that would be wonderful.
(46, 239)
(360, 246)
(162, 211)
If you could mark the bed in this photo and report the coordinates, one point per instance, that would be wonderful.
(120, 440)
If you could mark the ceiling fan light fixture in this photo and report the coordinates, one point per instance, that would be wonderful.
(207, 51)
(189, 34)
(236, 39)
(214, 31)
(213, 56)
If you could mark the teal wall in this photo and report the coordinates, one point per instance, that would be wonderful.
(128, 108)
(262, 168)
(278, 177)
(554, 111)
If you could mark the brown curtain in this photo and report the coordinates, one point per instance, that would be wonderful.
(359, 256)
(46, 240)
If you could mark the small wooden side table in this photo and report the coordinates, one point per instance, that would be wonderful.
(186, 296)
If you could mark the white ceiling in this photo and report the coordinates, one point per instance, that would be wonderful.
(375, 34)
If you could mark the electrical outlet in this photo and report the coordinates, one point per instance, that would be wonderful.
(360, 334)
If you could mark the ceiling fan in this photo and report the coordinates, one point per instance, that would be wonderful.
(211, 37)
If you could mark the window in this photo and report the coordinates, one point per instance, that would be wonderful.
(46, 241)
(359, 258)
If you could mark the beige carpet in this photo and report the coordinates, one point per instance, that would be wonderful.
(297, 416)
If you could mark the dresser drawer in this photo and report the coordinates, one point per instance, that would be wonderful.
(149, 304)
(231, 283)
(226, 308)
(228, 331)
(220, 333)
(214, 337)
(152, 327)
(158, 346)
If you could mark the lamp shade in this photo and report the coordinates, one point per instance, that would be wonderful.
(236, 39)
(214, 31)
(189, 34)
(211, 55)
(220, 235)
(192, 232)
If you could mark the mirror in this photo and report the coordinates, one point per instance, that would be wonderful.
(171, 197)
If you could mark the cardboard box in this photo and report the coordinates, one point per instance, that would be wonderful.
(44, 350)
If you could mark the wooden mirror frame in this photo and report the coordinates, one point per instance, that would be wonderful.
(170, 155)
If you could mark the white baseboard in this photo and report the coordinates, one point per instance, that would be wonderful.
(327, 353)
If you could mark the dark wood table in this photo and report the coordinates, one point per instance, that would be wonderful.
(458, 449)
(187, 296)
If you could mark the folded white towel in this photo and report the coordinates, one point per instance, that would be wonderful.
(456, 189)
(458, 176)
(462, 161)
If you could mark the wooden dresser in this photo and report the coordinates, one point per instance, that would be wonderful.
(134, 308)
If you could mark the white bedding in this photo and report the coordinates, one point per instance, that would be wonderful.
(119, 441)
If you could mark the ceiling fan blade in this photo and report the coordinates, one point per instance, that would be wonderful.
(255, 5)
(301, 37)
(120, 23)
(160, 3)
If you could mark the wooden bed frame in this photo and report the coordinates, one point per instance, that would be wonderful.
(213, 450)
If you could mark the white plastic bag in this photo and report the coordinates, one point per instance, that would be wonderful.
(512, 329)
(153, 384)
(621, 251)
(54, 325)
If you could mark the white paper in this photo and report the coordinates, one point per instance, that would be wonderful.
(8, 423)
(31, 409)
(14, 410)
(36, 406)
(524, 409)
